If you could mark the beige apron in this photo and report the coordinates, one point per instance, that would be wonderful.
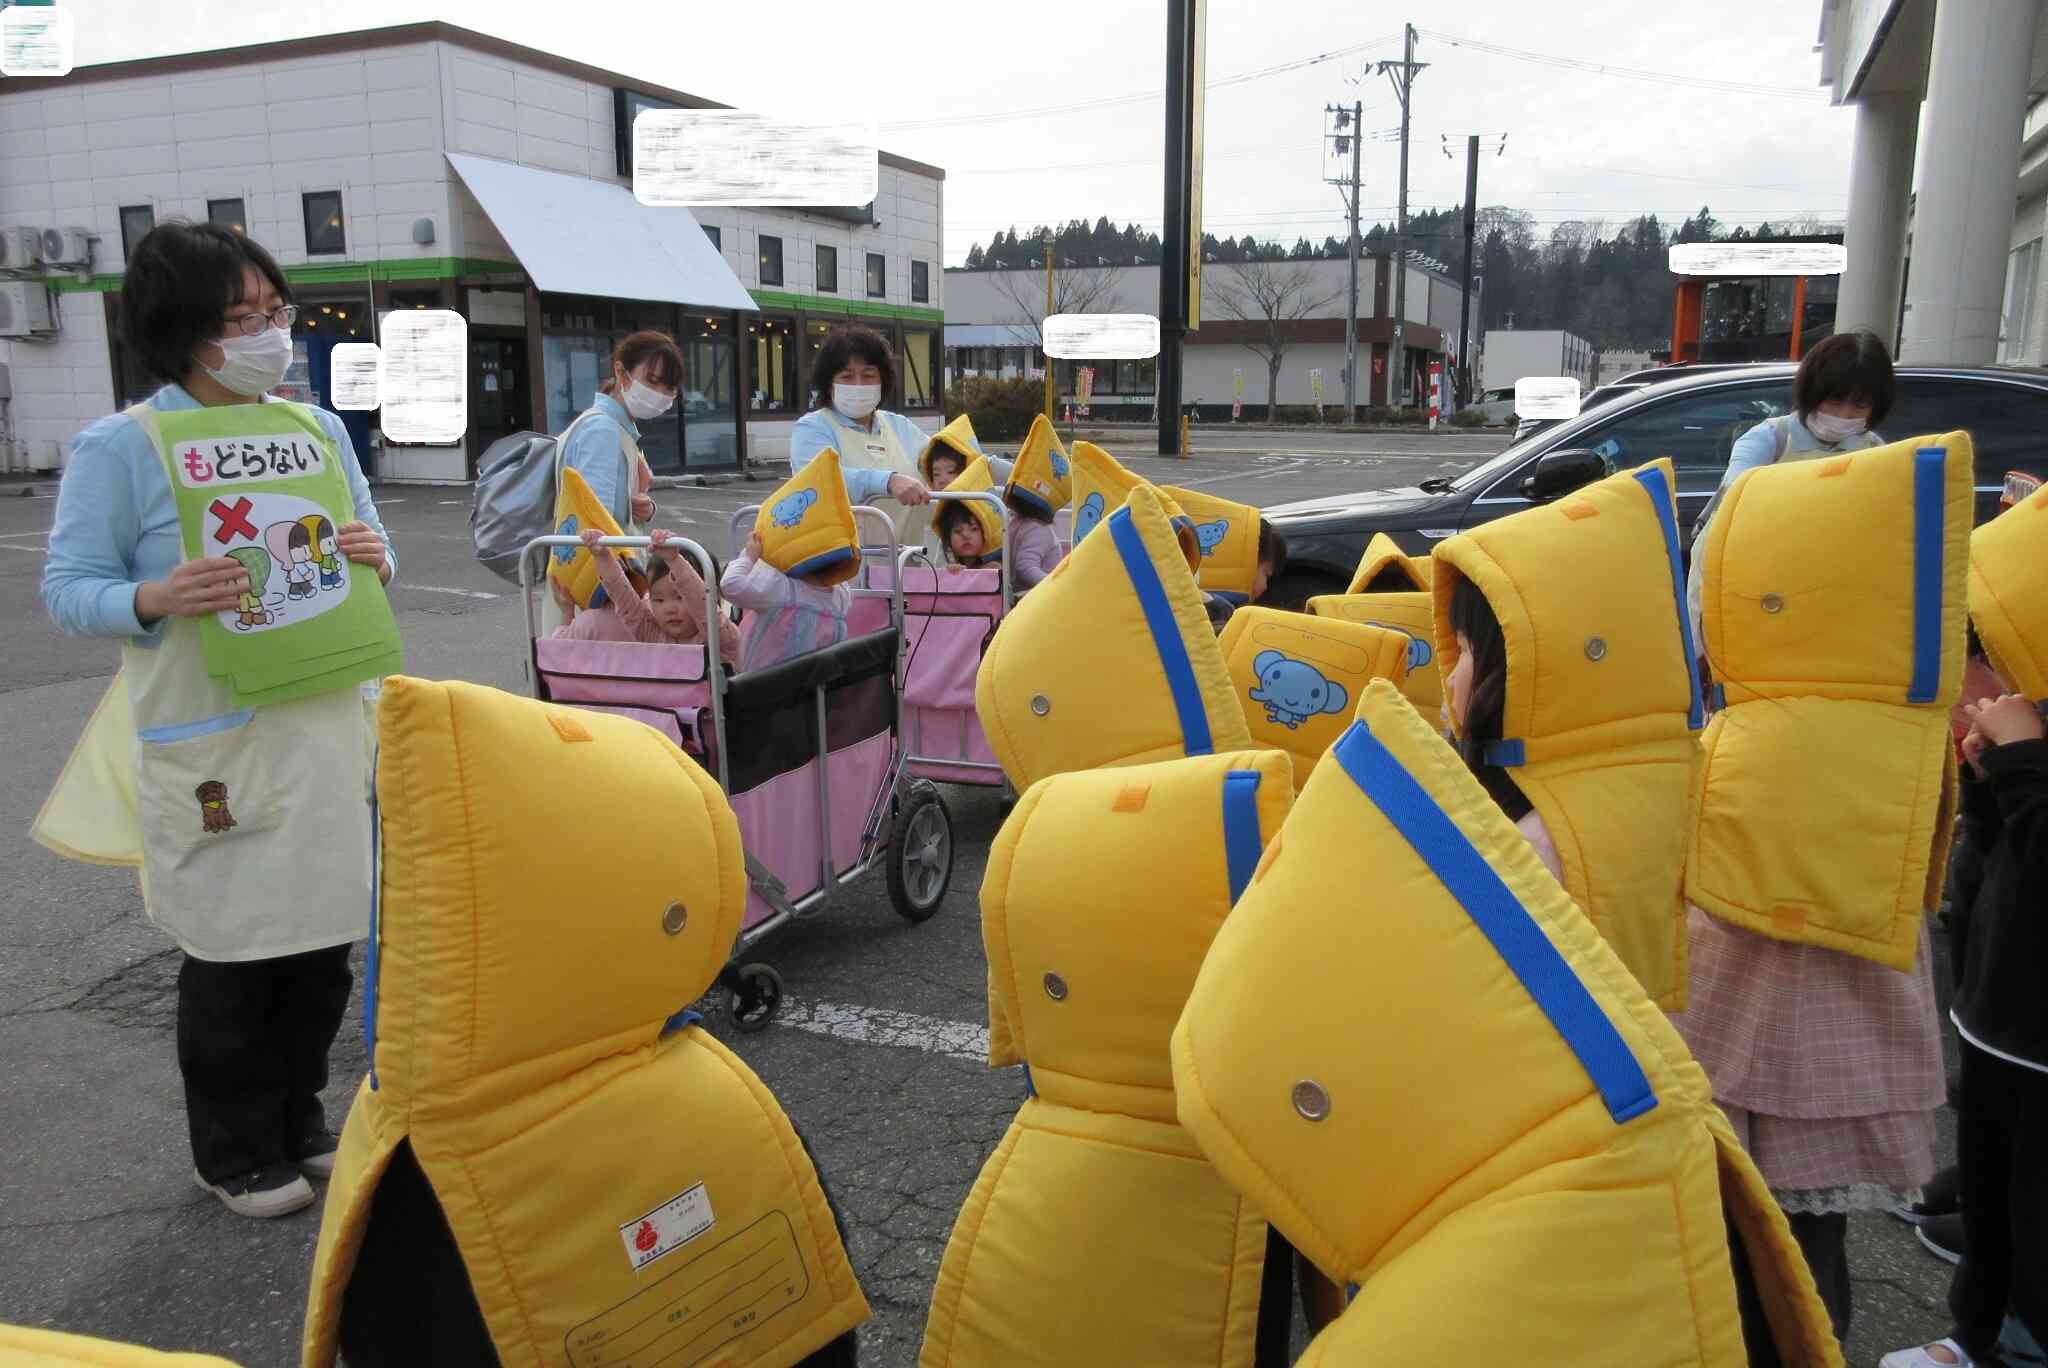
(629, 455)
(250, 827)
(880, 450)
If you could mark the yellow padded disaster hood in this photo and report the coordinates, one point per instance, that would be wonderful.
(1228, 534)
(526, 1040)
(1041, 478)
(1109, 661)
(1103, 892)
(1603, 702)
(1102, 484)
(977, 478)
(956, 437)
(1574, 1169)
(1383, 553)
(807, 525)
(24, 1348)
(1300, 678)
(2009, 593)
(1413, 614)
(577, 510)
(1849, 570)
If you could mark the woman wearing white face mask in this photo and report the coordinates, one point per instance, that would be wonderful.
(250, 824)
(877, 449)
(1842, 392)
(603, 444)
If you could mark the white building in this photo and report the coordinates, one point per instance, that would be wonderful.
(1975, 292)
(429, 166)
(992, 329)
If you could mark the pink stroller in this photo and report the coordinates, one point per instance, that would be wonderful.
(949, 616)
(809, 754)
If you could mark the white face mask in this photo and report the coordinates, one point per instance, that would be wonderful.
(252, 365)
(643, 403)
(1833, 430)
(856, 401)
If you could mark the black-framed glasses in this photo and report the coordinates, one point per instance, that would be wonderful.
(251, 324)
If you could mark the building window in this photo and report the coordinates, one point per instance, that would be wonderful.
(717, 241)
(2022, 268)
(136, 219)
(828, 269)
(771, 260)
(920, 387)
(878, 276)
(227, 213)
(920, 282)
(711, 377)
(776, 390)
(324, 235)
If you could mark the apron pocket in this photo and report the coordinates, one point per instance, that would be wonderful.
(203, 785)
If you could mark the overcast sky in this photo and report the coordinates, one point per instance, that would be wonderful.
(955, 85)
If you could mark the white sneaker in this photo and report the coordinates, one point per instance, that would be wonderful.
(273, 1190)
(1922, 1356)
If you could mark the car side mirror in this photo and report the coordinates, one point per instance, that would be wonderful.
(1558, 473)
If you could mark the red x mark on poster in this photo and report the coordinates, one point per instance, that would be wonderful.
(234, 520)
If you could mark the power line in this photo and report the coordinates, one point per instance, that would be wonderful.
(1111, 101)
(1628, 73)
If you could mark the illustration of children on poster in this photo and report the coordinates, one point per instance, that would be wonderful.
(289, 547)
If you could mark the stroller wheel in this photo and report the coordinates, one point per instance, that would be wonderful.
(757, 998)
(920, 853)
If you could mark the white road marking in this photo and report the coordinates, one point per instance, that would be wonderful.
(882, 1026)
(32, 550)
(439, 589)
(451, 503)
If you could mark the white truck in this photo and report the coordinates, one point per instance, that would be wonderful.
(1513, 353)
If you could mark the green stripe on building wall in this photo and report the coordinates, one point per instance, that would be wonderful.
(436, 268)
(851, 308)
(348, 273)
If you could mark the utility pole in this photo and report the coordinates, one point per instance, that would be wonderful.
(1465, 295)
(1398, 363)
(1348, 119)
(1049, 362)
(1179, 304)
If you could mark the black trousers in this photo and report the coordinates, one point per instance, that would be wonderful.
(253, 1038)
(1824, 1240)
(2002, 1158)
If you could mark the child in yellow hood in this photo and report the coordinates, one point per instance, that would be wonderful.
(671, 610)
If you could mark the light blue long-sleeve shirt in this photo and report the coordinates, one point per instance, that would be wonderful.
(824, 427)
(594, 452)
(117, 524)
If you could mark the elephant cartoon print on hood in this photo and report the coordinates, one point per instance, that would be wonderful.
(1294, 690)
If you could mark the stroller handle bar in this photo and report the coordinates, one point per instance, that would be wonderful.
(694, 550)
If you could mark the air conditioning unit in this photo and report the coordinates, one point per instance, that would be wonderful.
(25, 309)
(20, 248)
(71, 246)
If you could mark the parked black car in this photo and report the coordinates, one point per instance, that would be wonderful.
(1634, 380)
(1694, 419)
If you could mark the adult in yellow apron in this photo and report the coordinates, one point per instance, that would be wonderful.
(249, 825)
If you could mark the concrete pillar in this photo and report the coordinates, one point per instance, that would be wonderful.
(1880, 194)
(1976, 100)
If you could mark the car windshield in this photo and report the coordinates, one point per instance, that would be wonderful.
(1487, 470)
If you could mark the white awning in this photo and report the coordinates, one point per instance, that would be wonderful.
(574, 235)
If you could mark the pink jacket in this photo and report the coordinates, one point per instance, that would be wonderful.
(627, 616)
(1032, 548)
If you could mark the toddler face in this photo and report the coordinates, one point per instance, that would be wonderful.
(965, 539)
(945, 470)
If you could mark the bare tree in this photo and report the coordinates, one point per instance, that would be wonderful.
(1075, 289)
(1274, 295)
